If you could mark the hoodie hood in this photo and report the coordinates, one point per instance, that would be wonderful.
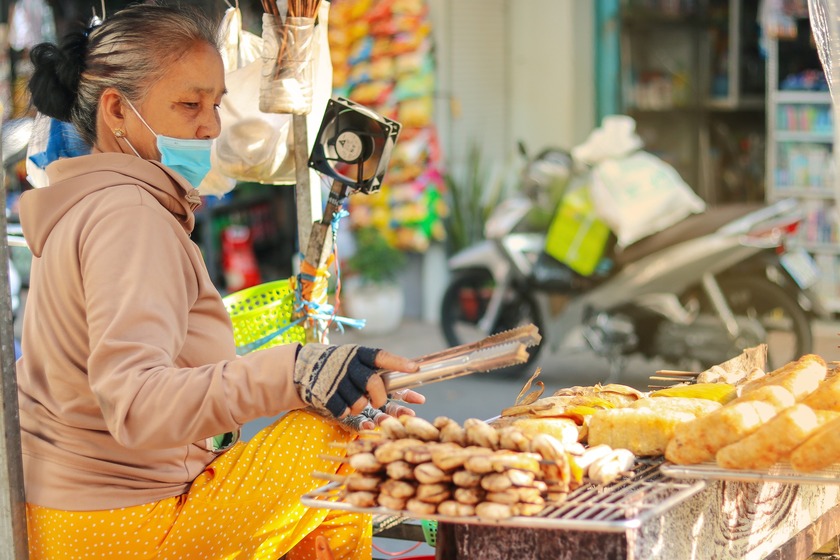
(73, 179)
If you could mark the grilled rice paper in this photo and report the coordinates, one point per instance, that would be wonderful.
(820, 450)
(775, 395)
(699, 440)
(800, 377)
(771, 442)
(826, 396)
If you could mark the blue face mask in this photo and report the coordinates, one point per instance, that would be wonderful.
(189, 157)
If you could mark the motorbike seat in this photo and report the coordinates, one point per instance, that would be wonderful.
(696, 225)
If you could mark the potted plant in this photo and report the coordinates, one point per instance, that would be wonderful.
(371, 290)
(471, 195)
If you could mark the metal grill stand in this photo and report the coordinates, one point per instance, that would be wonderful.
(725, 521)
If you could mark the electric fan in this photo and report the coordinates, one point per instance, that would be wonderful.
(354, 145)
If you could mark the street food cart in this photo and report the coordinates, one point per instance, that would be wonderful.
(656, 510)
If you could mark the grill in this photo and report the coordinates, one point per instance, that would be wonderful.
(624, 504)
(780, 472)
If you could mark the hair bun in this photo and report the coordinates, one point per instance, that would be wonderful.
(55, 80)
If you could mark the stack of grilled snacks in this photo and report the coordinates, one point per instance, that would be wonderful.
(792, 413)
(445, 468)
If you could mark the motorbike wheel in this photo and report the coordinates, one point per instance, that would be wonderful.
(465, 303)
(787, 325)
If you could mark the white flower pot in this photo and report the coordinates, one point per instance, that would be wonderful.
(380, 305)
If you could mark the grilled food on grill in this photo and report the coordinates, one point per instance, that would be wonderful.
(466, 479)
(419, 428)
(482, 479)
(390, 502)
(775, 395)
(800, 377)
(394, 450)
(700, 439)
(450, 430)
(429, 473)
(614, 393)
(771, 442)
(481, 434)
(398, 489)
(693, 405)
(717, 374)
(826, 396)
(564, 429)
(454, 508)
(820, 450)
(718, 392)
(359, 482)
(611, 466)
(644, 431)
(400, 470)
(493, 511)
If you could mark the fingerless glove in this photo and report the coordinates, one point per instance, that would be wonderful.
(332, 378)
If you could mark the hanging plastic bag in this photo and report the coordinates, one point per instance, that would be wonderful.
(50, 140)
(255, 146)
(639, 195)
(576, 236)
(286, 85)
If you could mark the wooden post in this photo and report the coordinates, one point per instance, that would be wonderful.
(13, 540)
(308, 206)
(307, 196)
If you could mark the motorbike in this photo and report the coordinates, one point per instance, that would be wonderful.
(693, 295)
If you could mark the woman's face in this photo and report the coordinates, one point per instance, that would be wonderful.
(184, 103)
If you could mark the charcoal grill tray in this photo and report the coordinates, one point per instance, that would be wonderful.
(624, 504)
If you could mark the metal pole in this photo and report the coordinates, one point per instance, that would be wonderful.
(13, 539)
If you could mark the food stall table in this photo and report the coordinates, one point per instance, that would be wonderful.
(728, 519)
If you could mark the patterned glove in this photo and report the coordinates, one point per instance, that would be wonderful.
(332, 378)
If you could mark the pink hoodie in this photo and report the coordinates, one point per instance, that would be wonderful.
(128, 354)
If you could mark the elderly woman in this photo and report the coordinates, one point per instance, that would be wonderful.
(129, 367)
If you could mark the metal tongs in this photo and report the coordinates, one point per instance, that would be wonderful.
(496, 351)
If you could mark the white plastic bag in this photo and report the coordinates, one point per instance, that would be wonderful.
(255, 146)
(50, 140)
(616, 137)
(639, 195)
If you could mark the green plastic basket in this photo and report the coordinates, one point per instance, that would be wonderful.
(429, 531)
(261, 311)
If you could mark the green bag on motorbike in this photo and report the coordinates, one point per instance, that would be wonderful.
(576, 237)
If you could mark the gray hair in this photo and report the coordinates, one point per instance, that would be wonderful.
(130, 51)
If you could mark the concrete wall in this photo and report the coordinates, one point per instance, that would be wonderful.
(508, 71)
(512, 70)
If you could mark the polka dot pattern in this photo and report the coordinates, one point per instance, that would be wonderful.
(245, 505)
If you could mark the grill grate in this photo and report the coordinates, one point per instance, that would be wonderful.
(624, 504)
(782, 473)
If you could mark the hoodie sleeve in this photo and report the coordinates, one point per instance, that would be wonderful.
(140, 284)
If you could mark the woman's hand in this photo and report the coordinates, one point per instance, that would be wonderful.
(376, 392)
(342, 381)
(371, 417)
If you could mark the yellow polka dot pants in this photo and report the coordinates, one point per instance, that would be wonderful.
(245, 505)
